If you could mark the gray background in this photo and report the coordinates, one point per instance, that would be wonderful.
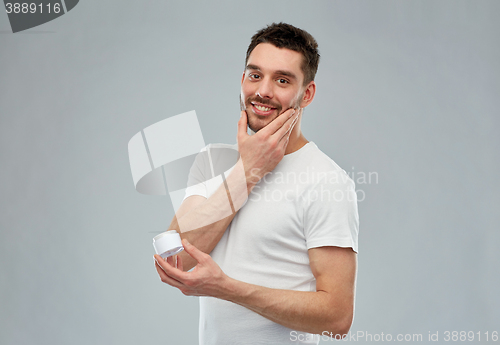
(408, 90)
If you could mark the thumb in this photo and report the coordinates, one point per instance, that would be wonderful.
(194, 252)
(242, 125)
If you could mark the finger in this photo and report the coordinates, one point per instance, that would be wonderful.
(179, 263)
(285, 142)
(286, 129)
(277, 123)
(242, 125)
(169, 270)
(170, 261)
(167, 279)
(194, 252)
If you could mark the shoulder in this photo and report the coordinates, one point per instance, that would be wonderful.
(222, 151)
(220, 146)
(218, 153)
(321, 164)
(221, 157)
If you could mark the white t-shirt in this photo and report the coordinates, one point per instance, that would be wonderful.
(307, 201)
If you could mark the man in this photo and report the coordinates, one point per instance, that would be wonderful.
(282, 264)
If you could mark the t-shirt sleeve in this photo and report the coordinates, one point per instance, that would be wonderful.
(331, 213)
(198, 175)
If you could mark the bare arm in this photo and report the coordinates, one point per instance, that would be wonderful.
(328, 309)
(203, 221)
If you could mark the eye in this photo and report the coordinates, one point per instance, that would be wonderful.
(254, 76)
(282, 81)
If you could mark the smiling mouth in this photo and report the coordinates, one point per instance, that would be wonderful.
(262, 110)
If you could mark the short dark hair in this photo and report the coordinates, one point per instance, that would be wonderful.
(284, 35)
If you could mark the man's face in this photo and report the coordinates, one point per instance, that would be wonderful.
(272, 83)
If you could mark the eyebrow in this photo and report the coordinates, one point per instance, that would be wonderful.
(278, 72)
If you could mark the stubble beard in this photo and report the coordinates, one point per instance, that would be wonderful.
(252, 121)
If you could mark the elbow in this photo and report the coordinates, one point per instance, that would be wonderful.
(339, 327)
(344, 329)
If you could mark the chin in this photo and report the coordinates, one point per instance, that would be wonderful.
(256, 124)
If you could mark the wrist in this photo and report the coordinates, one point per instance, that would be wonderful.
(227, 288)
(250, 186)
(252, 177)
(238, 292)
(249, 176)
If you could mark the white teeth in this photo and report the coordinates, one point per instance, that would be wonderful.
(262, 108)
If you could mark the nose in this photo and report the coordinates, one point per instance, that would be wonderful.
(265, 89)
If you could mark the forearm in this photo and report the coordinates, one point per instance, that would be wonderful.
(205, 238)
(205, 224)
(306, 311)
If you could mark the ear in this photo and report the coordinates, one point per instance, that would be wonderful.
(309, 93)
(242, 77)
